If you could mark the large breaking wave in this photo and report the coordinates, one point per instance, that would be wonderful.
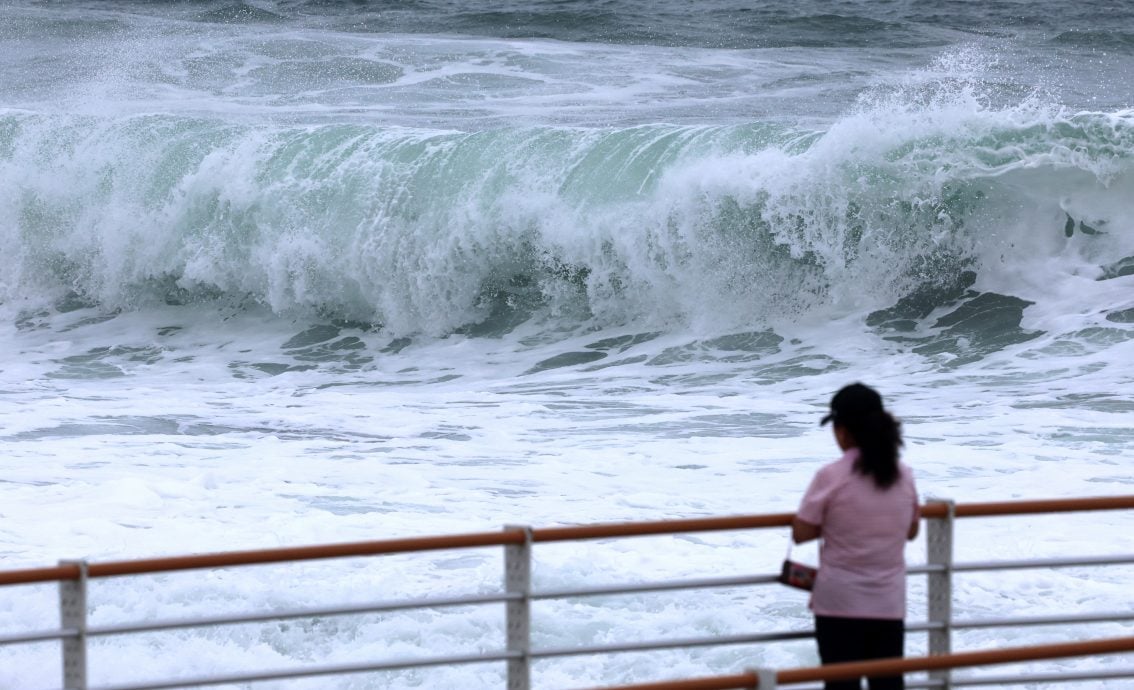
(918, 192)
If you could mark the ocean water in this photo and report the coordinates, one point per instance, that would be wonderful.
(291, 272)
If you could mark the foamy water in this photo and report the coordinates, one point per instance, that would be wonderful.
(298, 280)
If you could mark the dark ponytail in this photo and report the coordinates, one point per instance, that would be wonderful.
(878, 437)
(858, 409)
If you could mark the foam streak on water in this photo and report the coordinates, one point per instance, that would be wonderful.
(286, 273)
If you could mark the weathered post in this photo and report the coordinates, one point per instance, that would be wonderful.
(765, 678)
(518, 580)
(939, 552)
(73, 618)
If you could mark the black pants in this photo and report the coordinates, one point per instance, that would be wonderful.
(860, 639)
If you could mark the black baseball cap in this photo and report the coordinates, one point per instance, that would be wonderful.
(855, 400)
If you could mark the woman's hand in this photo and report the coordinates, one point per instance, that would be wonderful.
(803, 531)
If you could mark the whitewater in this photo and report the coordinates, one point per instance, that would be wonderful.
(297, 272)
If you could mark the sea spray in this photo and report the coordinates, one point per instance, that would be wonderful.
(429, 231)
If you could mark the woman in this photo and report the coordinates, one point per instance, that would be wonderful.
(864, 506)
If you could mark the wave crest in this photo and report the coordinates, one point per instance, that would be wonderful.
(432, 231)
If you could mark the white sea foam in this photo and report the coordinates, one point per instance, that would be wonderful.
(181, 457)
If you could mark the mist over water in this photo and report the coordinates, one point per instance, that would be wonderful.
(284, 273)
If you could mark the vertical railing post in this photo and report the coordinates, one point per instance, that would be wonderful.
(939, 551)
(518, 580)
(73, 616)
(765, 678)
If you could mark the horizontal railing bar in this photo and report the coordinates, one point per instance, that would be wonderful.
(504, 537)
(925, 626)
(912, 627)
(30, 576)
(742, 682)
(156, 626)
(341, 669)
(378, 607)
(909, 684)
(923, 684)
(1044, 678)
(1054, 505)
(640, 529)
(1113, 617)
(670, 644)
(42, 636)
(263, 556)
(888, 667)
(926, 568)
(857, 669)
(304, 553)
(1042, 563)
(736, 681)
(655, 587)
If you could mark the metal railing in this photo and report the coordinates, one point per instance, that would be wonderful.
(767, 679)
(517, 596)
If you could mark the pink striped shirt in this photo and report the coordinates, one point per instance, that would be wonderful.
(862, 571)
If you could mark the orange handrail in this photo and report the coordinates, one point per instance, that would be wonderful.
(516, 536)
(28, 576)
(639, 529)
(1031, 507)
(262, 556)
(739, 681)
(929, 510)
(893, 667)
